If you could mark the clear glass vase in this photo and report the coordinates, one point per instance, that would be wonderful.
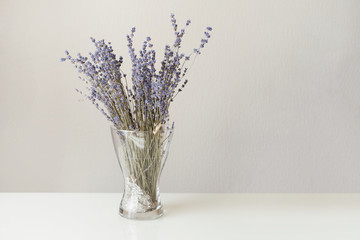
(141, 155)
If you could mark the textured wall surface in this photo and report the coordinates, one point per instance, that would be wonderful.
(272, 104)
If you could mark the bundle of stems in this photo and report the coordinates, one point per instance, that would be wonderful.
(144, 154)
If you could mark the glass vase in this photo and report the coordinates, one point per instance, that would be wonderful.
(141, 155)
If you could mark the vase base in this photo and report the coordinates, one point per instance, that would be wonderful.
(154, 214)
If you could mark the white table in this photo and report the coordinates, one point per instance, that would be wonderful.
(67, 216)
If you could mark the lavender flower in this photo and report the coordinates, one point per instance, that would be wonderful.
(146, 103)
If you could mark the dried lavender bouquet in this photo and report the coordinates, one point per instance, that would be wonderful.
(141, 104)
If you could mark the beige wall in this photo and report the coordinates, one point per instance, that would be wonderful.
(272, 105)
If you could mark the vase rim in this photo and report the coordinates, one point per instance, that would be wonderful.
(120, 130)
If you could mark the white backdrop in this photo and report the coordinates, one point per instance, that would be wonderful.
(272, 104)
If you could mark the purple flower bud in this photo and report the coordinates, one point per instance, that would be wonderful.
(196, 51)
